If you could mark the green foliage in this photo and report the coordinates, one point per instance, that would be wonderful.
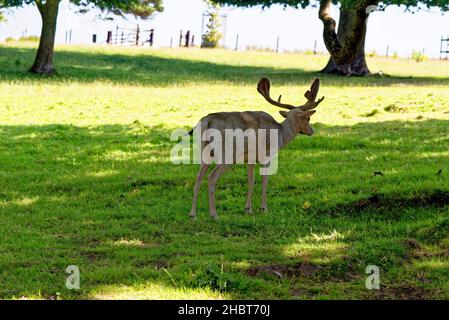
(264, 3)
(22, 39)
(442, 4)
(211, 38)
(419, 56)
(140, 8)
(215, 278)
(29, 39)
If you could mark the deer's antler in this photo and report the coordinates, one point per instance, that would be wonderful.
(264, 89)
(311, 96)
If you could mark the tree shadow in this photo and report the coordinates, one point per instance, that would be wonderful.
(108, 199)
(153, 70)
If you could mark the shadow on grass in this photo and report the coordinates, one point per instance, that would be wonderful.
(107, 199)
(153, 70)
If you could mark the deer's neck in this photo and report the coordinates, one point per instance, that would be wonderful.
(288, 131)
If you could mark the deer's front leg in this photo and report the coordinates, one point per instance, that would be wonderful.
(199, 178)
(249, 196)
(264, 193)
(213, 179)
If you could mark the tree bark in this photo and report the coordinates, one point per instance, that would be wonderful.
(43, 64)
(347, 48)
(358, 64)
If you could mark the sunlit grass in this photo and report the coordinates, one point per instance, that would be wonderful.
(86, 179)
(154, 292)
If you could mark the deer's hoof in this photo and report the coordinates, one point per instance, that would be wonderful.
(264, 210)
(192, 215)
(248, 209)
(214, 216)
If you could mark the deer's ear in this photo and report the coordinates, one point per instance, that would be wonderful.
(283, 113)
(309, 113)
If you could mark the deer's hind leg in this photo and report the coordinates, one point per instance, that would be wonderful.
(264, 193)
(213, 179)
(249, 196)
(199, 178)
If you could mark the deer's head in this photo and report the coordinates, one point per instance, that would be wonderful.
(298, 115)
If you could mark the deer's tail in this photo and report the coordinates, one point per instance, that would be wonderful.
(203, 124)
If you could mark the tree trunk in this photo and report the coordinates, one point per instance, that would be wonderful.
(43, 64)
(347, 47)
(358, 64)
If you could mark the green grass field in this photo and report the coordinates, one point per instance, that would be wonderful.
(86, 179)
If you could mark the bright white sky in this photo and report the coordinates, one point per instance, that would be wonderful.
(297, 28)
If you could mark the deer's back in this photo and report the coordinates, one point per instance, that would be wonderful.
(247, 120)
(241, 120)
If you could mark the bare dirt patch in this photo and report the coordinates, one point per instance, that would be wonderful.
(403, 292)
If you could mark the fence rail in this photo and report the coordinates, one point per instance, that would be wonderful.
(131, 36)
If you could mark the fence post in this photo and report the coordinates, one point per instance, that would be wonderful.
(446, 49)
(237, 42)
(180, 38)
(277, 45)
(151, 37)
(116, 35)
(314, 47)
(388, 49)
(202, 26)
(109, 37)
(137, 35)
(188, 39)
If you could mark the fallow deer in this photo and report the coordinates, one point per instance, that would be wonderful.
(296, 122)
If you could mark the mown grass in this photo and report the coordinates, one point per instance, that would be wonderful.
(86, 179)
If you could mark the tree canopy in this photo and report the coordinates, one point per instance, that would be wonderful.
(442, 4)
(140, 8)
